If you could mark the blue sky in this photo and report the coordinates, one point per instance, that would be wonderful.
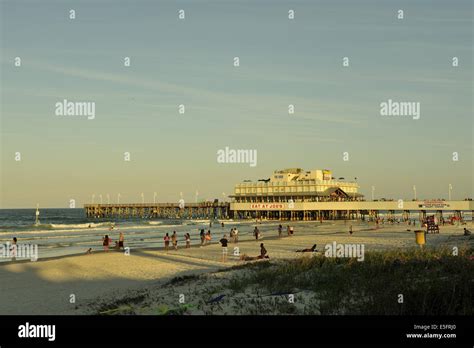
(190, 62)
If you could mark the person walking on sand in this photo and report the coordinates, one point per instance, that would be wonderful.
(288, 230)
(236, 235)
(174, 239)
(121, 241)
(106, 242)
(167, 241)
(256, 233)
(224, 242)
(350, 230)
(203, 237)
(187, 237)
(280, 230)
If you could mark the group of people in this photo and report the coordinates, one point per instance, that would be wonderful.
(205, 237)
(289, 230)
(263, 255)
(107, 241)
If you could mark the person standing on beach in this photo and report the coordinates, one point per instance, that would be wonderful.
(203, 237)
(174, 239)
(121, 240)
(291, 230)
(208, 237)
(288, 230)
(167, 241)
(236, 235)
(106, 242)
(13, 249)
(187, 237)
(256, 233)
(224, 242)
(280, 230)
(350, 230)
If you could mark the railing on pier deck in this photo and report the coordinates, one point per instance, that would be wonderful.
(205, 210)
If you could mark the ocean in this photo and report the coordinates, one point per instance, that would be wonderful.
(69, 231)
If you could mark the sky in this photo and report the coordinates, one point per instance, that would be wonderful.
(191, 62)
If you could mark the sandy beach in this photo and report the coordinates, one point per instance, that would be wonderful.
(47, 286)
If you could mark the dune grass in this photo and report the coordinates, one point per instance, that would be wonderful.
(398, 282)
(414, 282)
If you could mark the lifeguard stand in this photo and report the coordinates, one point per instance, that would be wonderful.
(431, 226)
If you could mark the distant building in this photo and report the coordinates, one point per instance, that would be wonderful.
(280, 195)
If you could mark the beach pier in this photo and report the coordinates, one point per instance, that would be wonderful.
(204, 210)
(306, 210)
(298, 211)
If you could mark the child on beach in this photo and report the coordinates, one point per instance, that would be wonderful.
(167, 241)
(106, 242)
(174, 239)
(224, 242)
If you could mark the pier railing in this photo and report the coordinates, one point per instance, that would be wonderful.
(180, 210)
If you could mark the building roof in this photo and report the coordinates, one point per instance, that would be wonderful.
(332, 191)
